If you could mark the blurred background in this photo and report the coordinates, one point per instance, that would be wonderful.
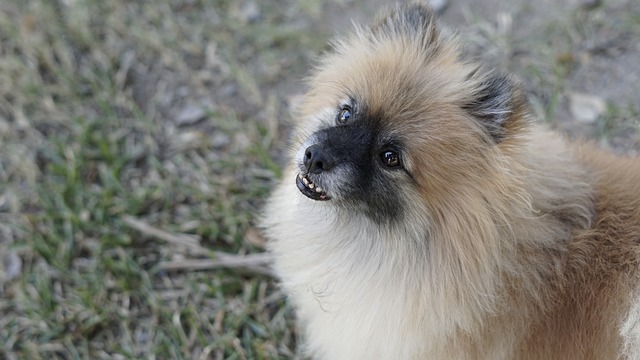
(140, 139)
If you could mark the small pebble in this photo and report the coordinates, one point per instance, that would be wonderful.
(586, 108)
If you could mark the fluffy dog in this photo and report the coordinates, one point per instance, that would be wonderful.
(425, 215)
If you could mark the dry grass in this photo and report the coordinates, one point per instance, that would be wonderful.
(138, 140)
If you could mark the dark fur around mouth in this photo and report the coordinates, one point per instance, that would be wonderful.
(309, 189)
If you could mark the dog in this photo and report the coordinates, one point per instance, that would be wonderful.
(424, 214)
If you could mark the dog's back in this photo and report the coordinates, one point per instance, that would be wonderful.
(597, 310)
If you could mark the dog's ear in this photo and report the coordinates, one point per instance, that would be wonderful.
(498, 103)
(495, 100)
(412, 22)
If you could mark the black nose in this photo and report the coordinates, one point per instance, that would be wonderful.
(317, 160)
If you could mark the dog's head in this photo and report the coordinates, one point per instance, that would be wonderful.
(394, 117)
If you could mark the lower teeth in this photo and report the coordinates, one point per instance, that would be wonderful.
(309, 184)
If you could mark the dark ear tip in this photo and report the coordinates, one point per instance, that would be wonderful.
(415, 21)
(419, 9)
(413, 13)
(497, 102)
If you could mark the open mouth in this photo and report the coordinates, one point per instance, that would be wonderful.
(309, 189)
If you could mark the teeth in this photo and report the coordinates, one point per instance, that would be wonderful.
(310, 185)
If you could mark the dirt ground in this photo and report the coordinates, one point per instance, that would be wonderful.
(560, 49)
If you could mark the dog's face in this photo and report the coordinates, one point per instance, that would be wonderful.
(355, 158)
(393, 118)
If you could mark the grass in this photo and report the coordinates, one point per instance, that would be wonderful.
(171, 113)
(91, 99)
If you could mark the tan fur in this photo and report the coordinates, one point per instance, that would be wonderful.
(524, 249)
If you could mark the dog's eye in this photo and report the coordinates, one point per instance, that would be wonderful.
(345, 115)
(390, 158)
